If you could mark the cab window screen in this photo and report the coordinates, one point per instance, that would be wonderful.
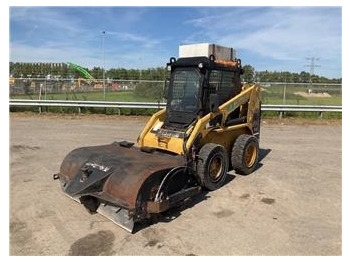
(185, 90)
(214, 81)
(227, 86)
(222, 83)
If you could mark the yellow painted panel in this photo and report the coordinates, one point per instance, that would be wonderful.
(171, 144)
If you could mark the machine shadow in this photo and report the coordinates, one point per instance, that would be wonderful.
(262, 154)
(175, 212)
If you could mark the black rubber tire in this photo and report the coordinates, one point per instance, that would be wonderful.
(239, 154)
(207, 155)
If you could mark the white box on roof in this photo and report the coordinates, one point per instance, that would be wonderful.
(206, 49)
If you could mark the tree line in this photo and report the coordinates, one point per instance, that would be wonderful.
(62, 70)
(251, 75)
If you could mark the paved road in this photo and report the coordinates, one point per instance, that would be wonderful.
(290, 206)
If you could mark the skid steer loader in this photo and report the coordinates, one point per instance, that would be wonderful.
(211, 123)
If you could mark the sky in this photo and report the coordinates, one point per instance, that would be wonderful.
(266, 37)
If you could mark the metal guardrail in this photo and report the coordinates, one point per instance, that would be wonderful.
(301, 108)
(77, 103)
(147, 105)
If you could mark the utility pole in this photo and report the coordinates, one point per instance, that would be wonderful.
(103, 64)
(284, 89)
(312, 66)
(284, 92)
(140, 71)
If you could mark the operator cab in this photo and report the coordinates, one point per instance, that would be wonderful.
(193, 80)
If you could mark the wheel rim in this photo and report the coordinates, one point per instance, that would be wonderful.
(215, 168)
(251, 154)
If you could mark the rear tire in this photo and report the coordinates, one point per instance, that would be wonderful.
(212, 166)
(244, 155)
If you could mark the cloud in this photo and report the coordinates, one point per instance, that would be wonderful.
(295, 36)
(280, 33)
(50, 18)
(144, 40)
(53, 53)
(60, 34)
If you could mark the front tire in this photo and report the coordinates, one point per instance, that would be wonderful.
(212, 166)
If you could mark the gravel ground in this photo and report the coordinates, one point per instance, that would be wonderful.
(292, 205)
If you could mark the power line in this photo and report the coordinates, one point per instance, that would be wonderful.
(312, 66)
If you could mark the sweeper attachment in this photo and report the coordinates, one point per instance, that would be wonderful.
(211, 123)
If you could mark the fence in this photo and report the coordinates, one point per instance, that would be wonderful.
(152, 91)
(82, 89)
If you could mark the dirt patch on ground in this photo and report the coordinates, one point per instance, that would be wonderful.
(308, 95)
(97, 244)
